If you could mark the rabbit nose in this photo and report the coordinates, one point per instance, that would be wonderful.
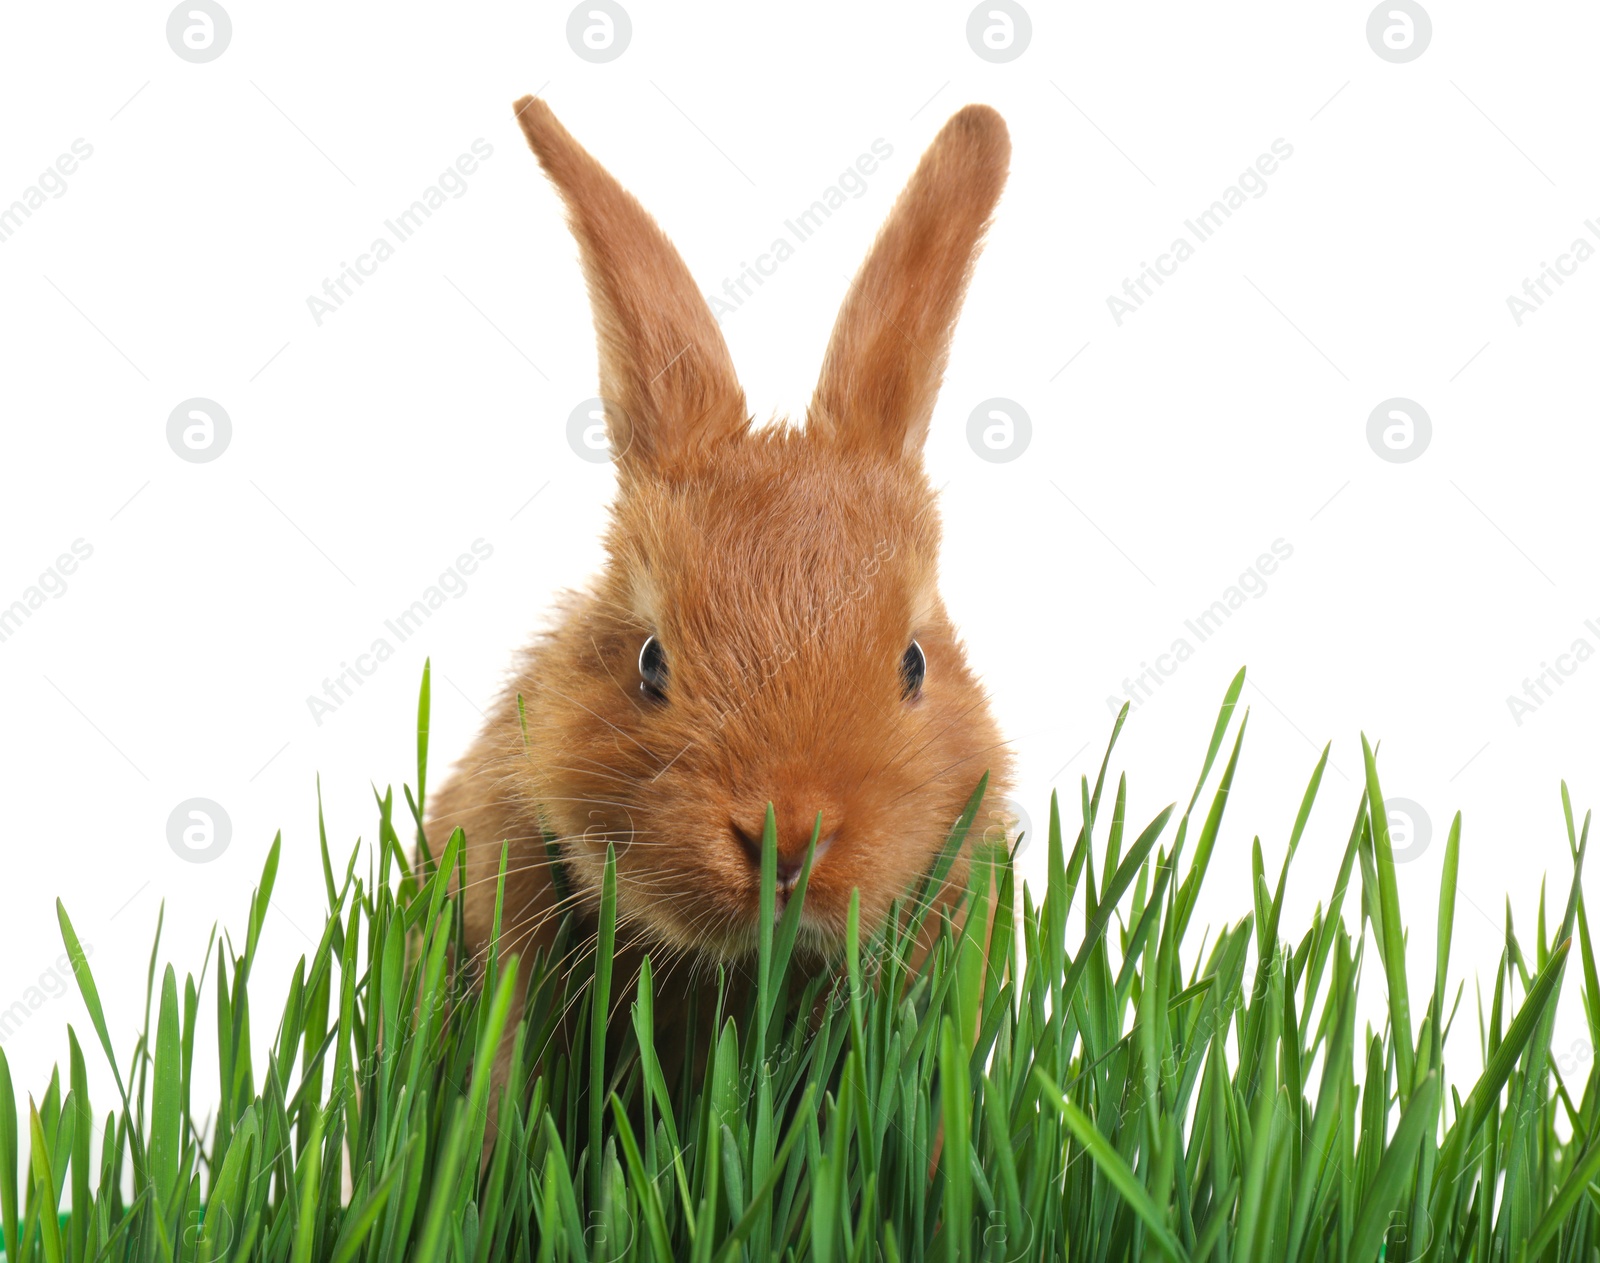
(791, 849)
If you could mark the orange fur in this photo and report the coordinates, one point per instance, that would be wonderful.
(784, 571)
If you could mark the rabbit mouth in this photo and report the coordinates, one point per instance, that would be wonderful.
(790, 860)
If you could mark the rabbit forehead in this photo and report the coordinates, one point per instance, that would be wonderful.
(757, 540)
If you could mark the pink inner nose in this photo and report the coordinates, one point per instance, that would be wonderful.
(791, 849)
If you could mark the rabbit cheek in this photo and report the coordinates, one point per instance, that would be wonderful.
(684, 888)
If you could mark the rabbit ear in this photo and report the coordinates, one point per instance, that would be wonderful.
(886, 358)
(664, 367)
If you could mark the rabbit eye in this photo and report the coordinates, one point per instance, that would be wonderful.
(913, 670)
(653, 669)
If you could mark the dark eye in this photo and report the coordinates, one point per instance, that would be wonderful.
(653, 669)
(913, 669)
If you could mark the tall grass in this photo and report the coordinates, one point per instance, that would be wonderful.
(1119, 1092)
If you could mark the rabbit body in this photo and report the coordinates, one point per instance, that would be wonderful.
(786, 576)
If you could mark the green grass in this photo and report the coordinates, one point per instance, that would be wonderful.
(1111, 1092)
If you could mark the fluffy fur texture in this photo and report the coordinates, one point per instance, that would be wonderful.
(784, 571)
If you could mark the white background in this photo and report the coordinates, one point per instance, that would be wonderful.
(430, 411)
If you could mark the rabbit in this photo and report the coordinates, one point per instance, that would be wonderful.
(767, 626)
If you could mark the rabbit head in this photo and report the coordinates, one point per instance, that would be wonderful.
(767, 628)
